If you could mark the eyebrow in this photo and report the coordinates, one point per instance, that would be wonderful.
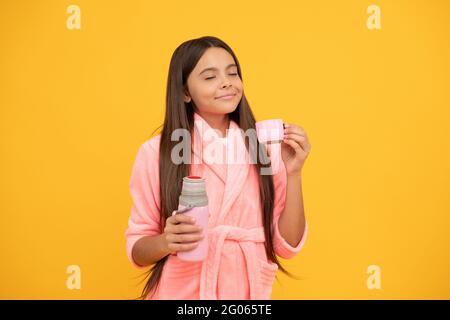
(213, 69)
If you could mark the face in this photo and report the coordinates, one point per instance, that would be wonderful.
(214, 76)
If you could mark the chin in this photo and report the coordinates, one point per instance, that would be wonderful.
(228, 107)
(224, 110)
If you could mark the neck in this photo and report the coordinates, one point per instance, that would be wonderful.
(220, 122)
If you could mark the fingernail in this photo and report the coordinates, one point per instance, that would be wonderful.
(192, 219)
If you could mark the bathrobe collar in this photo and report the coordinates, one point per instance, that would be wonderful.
(236, 171)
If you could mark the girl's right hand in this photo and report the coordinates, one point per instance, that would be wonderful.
(181, 233)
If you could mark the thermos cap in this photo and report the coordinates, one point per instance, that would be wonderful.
(193, 191)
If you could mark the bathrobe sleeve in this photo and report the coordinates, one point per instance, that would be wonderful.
(144, 190)
(281, 246)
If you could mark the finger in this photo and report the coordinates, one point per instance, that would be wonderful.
(185, 228)
(300, 134)
(182, 228)
(295, 129)
(182, 246)
(183, 218)
(294, 145)
(301, 140)
(183, 238)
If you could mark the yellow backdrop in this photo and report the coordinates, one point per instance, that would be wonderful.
(82, 87)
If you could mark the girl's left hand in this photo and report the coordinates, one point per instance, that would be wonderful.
(294, 148)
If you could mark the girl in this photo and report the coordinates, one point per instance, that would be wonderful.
(253, 217)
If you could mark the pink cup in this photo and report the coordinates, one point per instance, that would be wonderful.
(270, 131)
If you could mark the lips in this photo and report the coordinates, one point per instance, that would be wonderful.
(229, 95)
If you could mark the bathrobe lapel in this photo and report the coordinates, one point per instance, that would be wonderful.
(237, 165)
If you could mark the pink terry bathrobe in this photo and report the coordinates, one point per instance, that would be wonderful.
(236, 266)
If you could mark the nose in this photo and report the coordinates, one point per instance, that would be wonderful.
(226, 83)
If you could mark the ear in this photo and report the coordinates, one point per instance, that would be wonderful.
(187, 96)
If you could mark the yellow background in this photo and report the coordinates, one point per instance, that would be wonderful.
(77, 104)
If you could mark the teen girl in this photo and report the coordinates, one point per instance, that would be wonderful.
(253, 217)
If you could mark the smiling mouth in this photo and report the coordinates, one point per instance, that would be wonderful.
(228, 96)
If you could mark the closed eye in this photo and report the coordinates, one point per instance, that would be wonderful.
(231, 74)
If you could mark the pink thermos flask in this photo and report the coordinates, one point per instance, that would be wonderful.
(193, 202)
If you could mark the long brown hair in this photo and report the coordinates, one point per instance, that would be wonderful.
(180, 114)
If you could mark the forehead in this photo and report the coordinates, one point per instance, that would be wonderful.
(214, 57)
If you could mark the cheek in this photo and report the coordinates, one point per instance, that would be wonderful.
(203, 92)
(238, 85)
